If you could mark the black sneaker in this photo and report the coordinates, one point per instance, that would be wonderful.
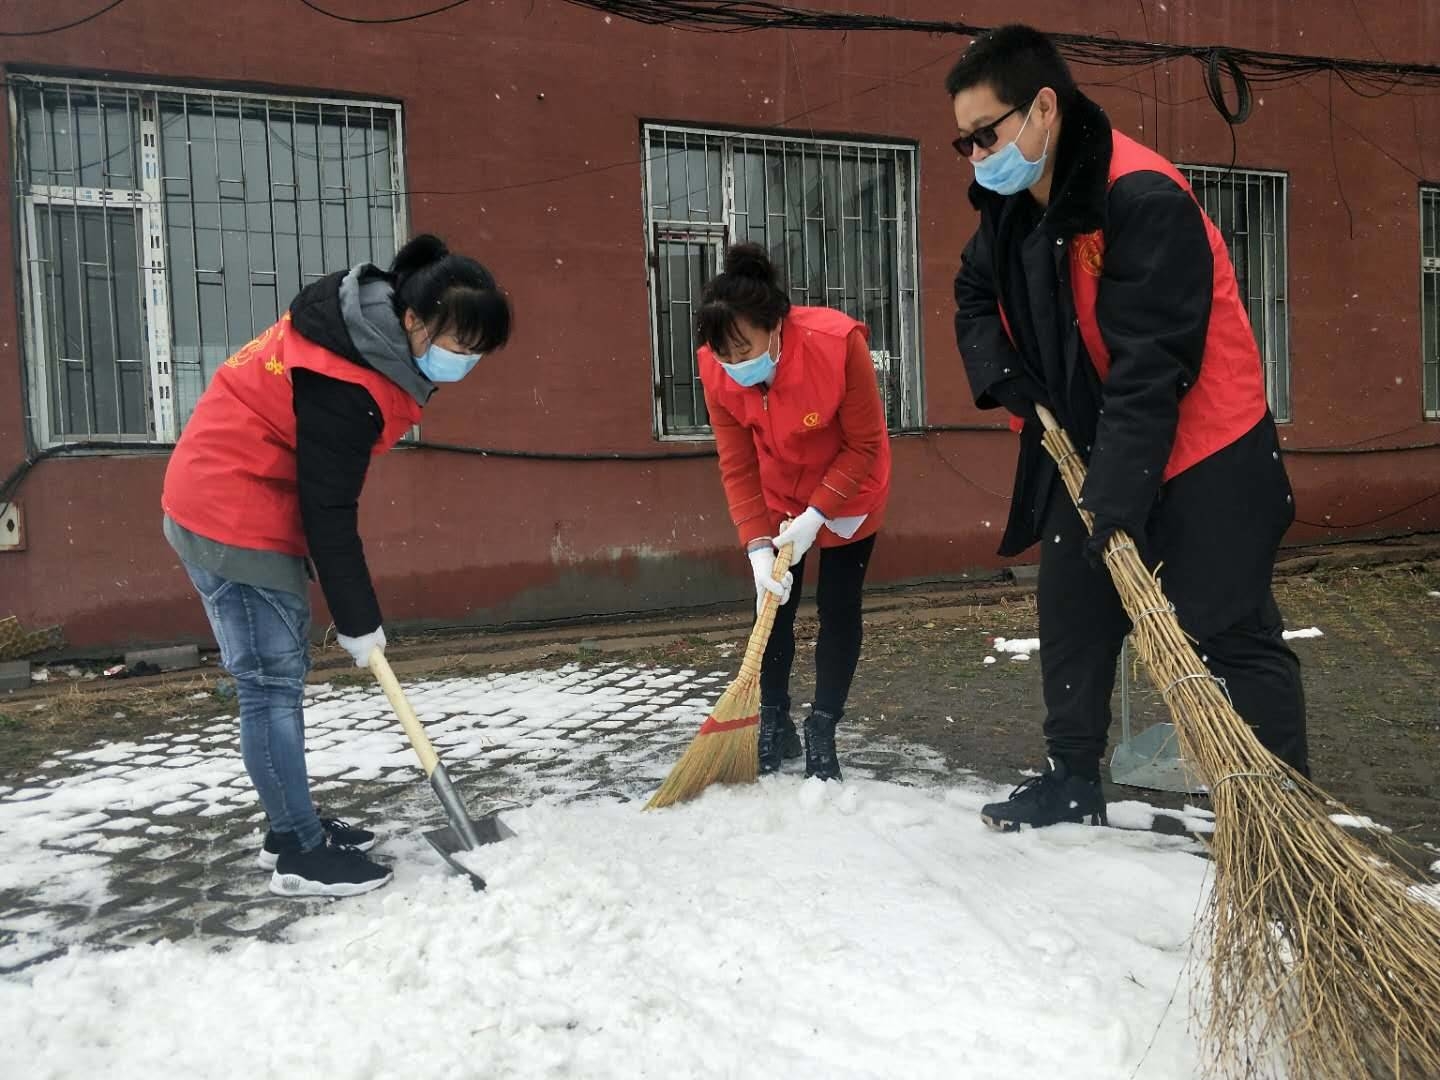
(327, 870)
(1053, 797)
(820, 759)
(336, 831)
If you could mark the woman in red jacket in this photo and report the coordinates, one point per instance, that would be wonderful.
(801, 434)
(264, 486)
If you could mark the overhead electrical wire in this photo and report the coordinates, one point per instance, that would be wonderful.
(383, 20)
(63, 26)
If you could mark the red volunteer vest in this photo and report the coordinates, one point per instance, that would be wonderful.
(795, 424)
(1228, 398)
(232, 475)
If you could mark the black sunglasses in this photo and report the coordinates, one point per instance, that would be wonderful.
(983, 137)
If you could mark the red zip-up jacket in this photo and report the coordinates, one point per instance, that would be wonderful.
(815, 437)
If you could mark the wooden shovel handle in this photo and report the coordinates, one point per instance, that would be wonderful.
(408, 720)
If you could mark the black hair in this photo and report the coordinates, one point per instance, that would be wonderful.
(450, 294)
(749, 288)
(1016, 62)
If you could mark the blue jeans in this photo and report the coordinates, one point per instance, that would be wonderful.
(264, 638)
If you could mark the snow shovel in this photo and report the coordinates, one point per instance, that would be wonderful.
(1150, 760)
(464, 833)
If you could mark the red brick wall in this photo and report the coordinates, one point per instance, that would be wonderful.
(462, 539)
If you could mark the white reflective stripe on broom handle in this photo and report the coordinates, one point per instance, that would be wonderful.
(765, 621)
(408, 720)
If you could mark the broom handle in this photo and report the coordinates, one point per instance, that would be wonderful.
(1047, 418)
(1051, 425)
(765, 621)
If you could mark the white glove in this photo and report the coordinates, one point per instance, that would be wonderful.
(762, 565)
(801, 532)
(361, 647)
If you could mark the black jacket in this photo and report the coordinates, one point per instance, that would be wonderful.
(1153, 310)
(336, 426)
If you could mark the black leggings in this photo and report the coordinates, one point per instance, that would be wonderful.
(837, 649)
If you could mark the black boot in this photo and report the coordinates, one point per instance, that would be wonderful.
(820, 760)
(790, 748)
(1048, 799)
(773, 718)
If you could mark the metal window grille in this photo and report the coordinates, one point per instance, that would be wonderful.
(165, 228)
(1250, 209)
(1430, 299)
(838, 218)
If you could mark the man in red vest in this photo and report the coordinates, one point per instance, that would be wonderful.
(1096, 285)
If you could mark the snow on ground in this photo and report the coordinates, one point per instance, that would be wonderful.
(1355, 821)
(1132, 814)
(793, 928)
(864, 929)
(1017, 646)
(502, 721)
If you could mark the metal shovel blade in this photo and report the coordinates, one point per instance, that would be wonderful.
(449, 843)
(1152, 760)
(464, 833)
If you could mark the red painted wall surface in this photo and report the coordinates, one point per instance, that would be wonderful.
(556, 209)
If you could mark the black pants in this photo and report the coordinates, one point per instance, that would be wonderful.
(1082, 626)
(837, 648)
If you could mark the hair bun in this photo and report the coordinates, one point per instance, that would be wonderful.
(750, 261)
(419, 253)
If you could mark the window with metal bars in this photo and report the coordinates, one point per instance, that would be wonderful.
(838, 218)
(1430, 300)
(1249, 207)
(162, 229)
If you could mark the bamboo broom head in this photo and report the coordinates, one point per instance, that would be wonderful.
(1324, 959)
(725, 750)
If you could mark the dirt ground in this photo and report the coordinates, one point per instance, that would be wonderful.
(1372, 680)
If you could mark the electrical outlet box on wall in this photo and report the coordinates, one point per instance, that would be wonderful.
(12, 527)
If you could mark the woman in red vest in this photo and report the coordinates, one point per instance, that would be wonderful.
(801, 434)
(264, 485)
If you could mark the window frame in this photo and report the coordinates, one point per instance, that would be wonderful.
(909, 323)
(1278, 372)
(148, 200)
(1430, 282)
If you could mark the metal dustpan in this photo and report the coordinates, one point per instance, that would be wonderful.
(464, 833)
(1151, 759)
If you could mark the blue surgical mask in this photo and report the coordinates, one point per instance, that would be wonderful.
(442, 366)
(751, 372)
(1008, 171)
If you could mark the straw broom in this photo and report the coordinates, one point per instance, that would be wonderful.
(1321, 958)
(726, 749)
